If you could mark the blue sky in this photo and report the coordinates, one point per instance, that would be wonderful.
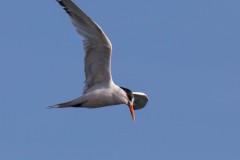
(184, 54)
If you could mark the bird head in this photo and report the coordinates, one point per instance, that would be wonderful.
(130, 102)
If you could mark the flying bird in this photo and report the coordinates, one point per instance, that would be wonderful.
(99, 90)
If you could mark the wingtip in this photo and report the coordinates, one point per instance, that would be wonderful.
(60, 2)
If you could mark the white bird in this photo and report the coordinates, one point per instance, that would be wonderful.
(99, 90)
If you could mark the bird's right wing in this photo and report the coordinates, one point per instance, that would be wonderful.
(97, 46)
(140, 100)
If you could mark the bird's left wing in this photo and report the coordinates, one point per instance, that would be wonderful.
(140, 100)
(96, 44)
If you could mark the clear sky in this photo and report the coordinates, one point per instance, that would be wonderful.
(184, 54)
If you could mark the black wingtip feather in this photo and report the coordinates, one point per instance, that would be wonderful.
(60, 2)
(64, 7)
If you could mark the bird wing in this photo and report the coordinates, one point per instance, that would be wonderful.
(140, 100)
(97, 46)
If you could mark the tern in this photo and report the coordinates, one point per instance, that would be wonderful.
(99, 90)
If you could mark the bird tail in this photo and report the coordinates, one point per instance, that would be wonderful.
(62, 105)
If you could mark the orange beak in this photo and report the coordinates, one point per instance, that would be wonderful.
(132, 111)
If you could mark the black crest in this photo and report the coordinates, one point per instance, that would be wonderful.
(129, 93)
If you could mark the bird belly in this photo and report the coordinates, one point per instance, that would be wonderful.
(101, 98)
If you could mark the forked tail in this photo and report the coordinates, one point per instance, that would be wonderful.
(62, 105)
